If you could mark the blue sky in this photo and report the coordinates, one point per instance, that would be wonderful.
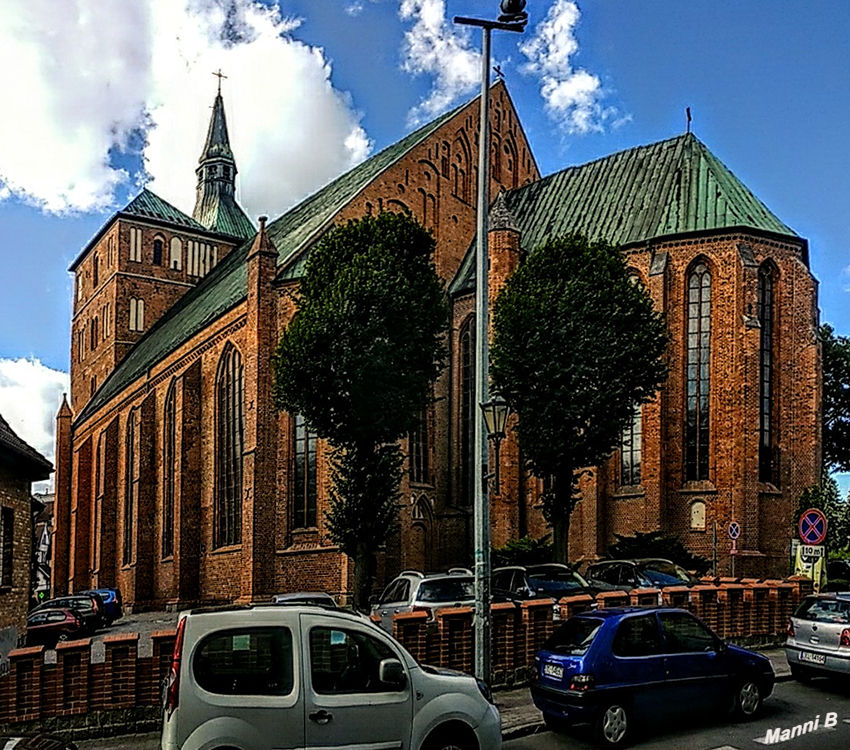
(103, 96)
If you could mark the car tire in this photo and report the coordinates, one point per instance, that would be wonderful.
(556, 724)
(614, 724)
(748, 700)
(453, 737)
(801, 674)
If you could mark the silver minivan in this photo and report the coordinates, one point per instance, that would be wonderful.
(266, 677)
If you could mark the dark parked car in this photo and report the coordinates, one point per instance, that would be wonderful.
(540, 581)
(112, 603)
(819, 636)
(638, 574)
(49, 626)
(619, 667)
(88, 606)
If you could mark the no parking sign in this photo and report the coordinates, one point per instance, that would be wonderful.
(812, 526)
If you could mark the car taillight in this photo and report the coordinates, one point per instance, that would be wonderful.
(845, 637)
(581, 682)
(172, 684)
(789, 631)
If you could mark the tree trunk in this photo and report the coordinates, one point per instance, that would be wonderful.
(364, 575)
(562, 508)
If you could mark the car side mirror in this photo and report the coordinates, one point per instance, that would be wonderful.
(721, 647)
(391, 672)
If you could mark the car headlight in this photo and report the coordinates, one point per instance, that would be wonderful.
(485, 691)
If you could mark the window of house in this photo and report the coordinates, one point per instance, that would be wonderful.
(418, 450)
(175, 261)
(230, 396)
(698, 374)
(467, 410)
(136, 244)
(306, 443)
(169, 470)
(157, 251)
(631, 448)
(131, 483)
(7, 540)
(137, 314)
(767, 465)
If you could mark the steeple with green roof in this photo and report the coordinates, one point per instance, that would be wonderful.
(215, 202)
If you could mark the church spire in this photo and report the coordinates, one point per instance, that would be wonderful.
(215, 194)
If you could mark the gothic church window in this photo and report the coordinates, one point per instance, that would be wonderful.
(169, 470)
(766, 374)
(306, 443)
(230, 396)
(99, 493)
(157, 251)
(631, 449)
(137, 314)
(698, 373)
(467, 409)
(131, 483)
(136, 244)
(175, 261)
(418, 450)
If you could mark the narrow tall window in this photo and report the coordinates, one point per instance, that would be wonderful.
(7, 540)
(467, 410)
(229, 439)
(137, 314)
(136, 244)
(157, 251)
(131, 484)
(95, 271)
(631, 450)
(169, 470)
(176, 255)
(100, 491)
(418, 450)
(306, 443)
(767, 471)
(698, 377)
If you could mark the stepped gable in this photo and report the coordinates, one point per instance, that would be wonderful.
(226, 285)
(666, 189)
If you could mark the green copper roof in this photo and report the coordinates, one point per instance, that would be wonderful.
(664, 189)
(226, 286)
(220, 213)
(150, 206)
(218, 142)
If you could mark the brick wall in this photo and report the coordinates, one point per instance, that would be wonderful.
(14, 599)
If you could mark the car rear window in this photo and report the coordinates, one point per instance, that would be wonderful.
(824, 610)
(574, 636)
(446, 590)
(246, 661)
(665, 573)
(544, 582)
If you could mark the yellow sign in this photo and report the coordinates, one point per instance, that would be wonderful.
(811, 566)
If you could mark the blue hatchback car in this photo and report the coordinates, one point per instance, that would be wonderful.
(615, 668)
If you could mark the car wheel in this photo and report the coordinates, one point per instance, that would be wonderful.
(747, 700)
(556, 724)
(801, 674)
(614, 724)
(451, 737)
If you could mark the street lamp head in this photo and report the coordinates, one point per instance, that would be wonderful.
(513, 11)
(495, 412)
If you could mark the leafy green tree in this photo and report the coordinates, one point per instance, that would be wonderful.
(656, 544)
(523, 551)
(836, 400)
(358, 361)
(577, 345)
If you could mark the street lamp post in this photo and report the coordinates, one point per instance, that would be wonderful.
(495, 413)
(513, 18)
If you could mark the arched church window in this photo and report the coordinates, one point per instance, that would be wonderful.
(698, 515)
(418, 452)
(229, 444)
(175, 258)
(157, 251)
(306, 485)
(631, 450)
(698, 372)
(169, 469)
(765, 312)
(467, 409)
(131, 484)
(137, 314)
(136, 244)
(99, 494)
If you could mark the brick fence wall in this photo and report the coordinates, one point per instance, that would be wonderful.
(122, 694)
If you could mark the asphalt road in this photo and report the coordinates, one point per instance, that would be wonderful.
(791, 704)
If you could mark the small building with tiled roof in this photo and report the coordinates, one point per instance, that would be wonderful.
(20, 466)
(178, 480)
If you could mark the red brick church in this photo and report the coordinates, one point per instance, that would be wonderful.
(179, 482)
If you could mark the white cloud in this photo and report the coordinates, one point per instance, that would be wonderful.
(572, 96)
(435, 47)
(355, 8)
(30, 396)
(79, 95)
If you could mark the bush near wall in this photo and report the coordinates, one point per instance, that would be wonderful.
(122, 694)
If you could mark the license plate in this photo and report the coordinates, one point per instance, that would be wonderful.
(553, 670)
(812, 658)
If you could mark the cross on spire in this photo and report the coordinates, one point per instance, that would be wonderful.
(219, 75)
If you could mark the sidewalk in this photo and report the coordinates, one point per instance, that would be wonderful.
(521, 718)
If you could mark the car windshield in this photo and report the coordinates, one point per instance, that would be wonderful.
(446, 590)
(574, 636)
(557, 580)
(824, 610)
(664, 573)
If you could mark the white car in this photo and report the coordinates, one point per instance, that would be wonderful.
(269, 678)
